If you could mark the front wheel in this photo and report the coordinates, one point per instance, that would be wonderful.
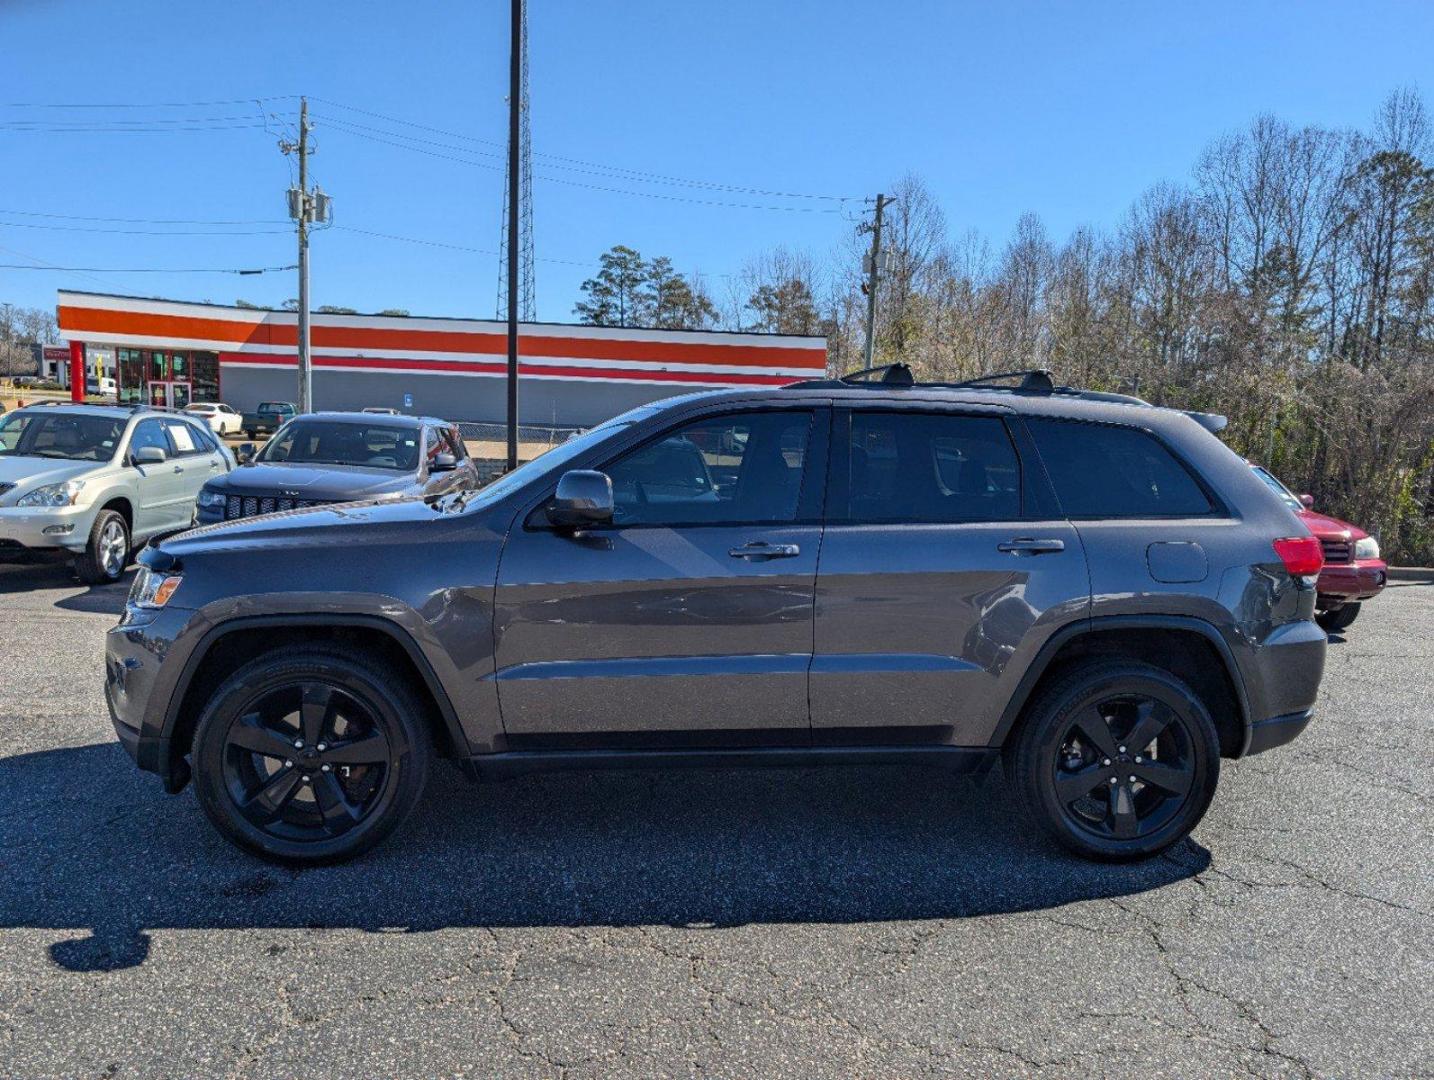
(311, 756)
(107, 552)
(1117, 760)
(1337, 619)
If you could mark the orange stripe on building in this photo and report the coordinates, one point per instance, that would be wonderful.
(272, 333)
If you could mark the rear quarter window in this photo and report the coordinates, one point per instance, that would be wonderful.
(1108, 471)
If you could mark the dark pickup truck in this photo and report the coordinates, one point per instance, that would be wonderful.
(323, 458)
(268, 418)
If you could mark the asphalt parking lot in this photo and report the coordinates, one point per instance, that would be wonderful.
(844, 922)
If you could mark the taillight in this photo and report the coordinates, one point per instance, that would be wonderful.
(1302, 555)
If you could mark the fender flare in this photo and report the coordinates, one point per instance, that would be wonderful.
(388, 627)
(1083, 627)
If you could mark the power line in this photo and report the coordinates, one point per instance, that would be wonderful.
(595, 187)
(149, 127)
(141, 104)
(451, 247)
(146, 269)
(142, 232)
(635, 173)
(142, 221)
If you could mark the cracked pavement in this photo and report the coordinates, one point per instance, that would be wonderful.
(808, 923)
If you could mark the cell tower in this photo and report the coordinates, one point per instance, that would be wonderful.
(527, 304)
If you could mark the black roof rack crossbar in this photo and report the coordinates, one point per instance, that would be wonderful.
(1036, 380)
(897, 374)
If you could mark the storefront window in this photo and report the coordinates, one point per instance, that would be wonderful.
(204, 371)
(179, 366)
(157, 367)
(130, 368)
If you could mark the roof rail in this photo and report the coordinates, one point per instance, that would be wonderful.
(1035, 381)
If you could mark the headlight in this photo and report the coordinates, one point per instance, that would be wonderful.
(212, 498)
(1368, 548)
(53, 494)
(152, 589)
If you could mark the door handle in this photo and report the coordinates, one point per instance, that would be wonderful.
(759, 549)
(179, 468)
(1025, 545)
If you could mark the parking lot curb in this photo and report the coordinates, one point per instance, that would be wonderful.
(1411, 573)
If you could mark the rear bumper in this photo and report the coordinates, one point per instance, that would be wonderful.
(1282, 676)
(1343, 583)
(1278, 730)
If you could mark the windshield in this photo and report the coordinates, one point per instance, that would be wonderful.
(60, 435)
(558, 456)
(1278, 488)
(343, 442)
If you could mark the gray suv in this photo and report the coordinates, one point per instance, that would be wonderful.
(1092, 590)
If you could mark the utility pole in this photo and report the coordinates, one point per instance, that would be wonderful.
(305, 207)
(873, 279)
(306, 374)
(515, 108)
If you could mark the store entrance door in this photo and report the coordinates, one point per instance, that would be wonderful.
(169, 395)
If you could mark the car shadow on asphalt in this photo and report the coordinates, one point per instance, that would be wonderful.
(92, 849)
(45, 574)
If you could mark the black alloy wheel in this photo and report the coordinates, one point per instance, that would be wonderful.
(311, 756)
(1118, 760)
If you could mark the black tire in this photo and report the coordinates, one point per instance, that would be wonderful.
(1073, 766)
(298, 811)
(250, 434)
(107, 552)
(1336, 619)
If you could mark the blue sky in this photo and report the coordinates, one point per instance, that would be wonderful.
(1070, 110)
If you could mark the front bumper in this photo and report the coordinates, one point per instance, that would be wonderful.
(142, 667)
(1345, 583)
(65, 527)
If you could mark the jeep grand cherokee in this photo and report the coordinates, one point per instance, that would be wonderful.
(1095, 591)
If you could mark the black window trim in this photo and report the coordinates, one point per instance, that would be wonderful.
(1219, 509)
(163, 430)
(838, 485)
(811, 498)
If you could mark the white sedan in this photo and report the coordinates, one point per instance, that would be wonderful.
(222, 420)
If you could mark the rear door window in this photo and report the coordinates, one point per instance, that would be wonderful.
(930, 467)
(1109, 471)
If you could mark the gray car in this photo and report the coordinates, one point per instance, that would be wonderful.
(97, 481)
(1095, 591)
(332, 457)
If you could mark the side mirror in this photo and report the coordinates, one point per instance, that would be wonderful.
(150, 455)
(244, 453)
(583, 499)
(443, 463)
(1307, 501)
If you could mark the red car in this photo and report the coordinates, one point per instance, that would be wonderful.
(1353, 571)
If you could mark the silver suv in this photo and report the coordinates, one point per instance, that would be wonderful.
(99, 480)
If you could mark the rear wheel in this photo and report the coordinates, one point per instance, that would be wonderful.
(311, 756)
(1117, 760)
(1337, 619)
(107, 552)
